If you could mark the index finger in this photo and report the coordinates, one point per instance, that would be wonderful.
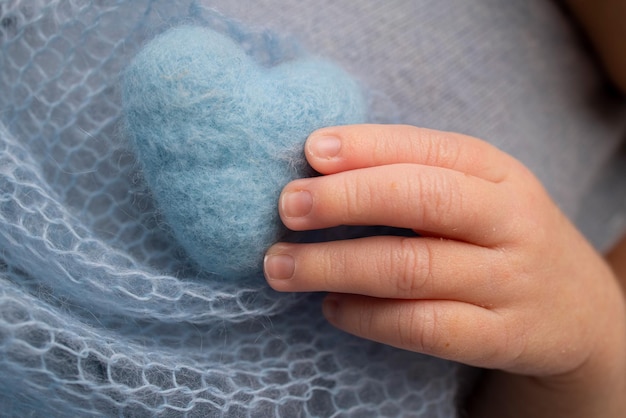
(342, 148)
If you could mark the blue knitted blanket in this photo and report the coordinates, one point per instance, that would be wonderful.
(102, 310)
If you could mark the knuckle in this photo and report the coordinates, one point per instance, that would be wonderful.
(333, 265)
(414, 267)
(422, 333)
(442, 198)
(365, 323)
(330, 261)
(441, 150)
(357, 199)
(446, 199)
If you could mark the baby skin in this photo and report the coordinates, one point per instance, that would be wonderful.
(497, 277)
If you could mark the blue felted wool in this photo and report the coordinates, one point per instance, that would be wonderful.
(219, 136)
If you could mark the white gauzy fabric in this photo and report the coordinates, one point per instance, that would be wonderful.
(101, 315)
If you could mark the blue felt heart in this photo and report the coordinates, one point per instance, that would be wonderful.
(219, 135)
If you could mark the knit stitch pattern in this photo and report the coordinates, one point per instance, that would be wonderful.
(102, 312)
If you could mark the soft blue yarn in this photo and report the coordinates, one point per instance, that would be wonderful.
(219, 135)
(99, 314)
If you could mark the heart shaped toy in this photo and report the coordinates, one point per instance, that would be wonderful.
(218, 136)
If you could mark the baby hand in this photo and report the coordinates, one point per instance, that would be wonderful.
(497, 277)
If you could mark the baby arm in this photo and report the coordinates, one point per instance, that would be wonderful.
(498, 277)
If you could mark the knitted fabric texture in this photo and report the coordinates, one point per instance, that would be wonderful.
(101, 311)
(219, 135)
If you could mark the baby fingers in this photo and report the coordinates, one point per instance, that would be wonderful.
(430, 200)
(442, 328)
(341, 148)
(392, 267)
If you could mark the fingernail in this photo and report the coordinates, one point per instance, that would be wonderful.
(329, 307)
(297, 204)
(279, 267)
(325, 147)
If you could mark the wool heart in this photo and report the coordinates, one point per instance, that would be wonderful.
(218, 136)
